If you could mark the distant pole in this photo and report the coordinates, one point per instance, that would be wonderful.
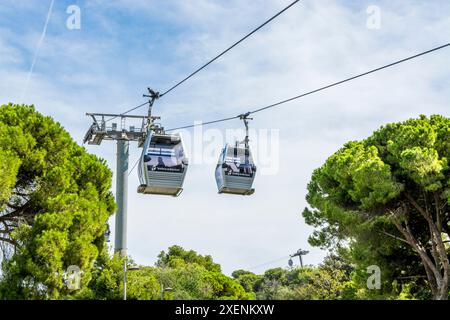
(300, 253)
(125, 279)
(121, 199)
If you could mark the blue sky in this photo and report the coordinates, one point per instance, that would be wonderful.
(125, 46)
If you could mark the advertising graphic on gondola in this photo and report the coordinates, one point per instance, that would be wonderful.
(238, 169)
(238, 164)
(165, 159)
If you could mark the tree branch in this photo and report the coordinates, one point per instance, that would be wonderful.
(438, 211)
(423, 212)
(395, 237)
(10, 241)
(435, 235)
(426, 261)
(17, 211)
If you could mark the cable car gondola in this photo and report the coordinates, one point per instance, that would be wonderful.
(235, 169)
(163, 164)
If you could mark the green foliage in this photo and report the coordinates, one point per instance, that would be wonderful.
(329, 281)
(59, 194)
(354, 195)
(321, 285)
(187, 280)
(247, 279)
(176, 255)
(193, 276)
(9, 165)
(143, 284)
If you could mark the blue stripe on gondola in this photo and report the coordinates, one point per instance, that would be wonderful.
(161, 154)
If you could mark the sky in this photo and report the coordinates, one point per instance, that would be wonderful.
(122, 47)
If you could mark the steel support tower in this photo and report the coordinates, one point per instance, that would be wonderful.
(119, 132)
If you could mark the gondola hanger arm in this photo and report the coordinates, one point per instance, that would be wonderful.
(153, 96)
(245, 118)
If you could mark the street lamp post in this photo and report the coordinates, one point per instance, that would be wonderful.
(298, 254)
(164, 290)
(125, 278)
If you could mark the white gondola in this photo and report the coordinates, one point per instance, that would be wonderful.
(163, 164)
(235, 171)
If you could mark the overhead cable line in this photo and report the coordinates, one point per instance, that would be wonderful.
(205, 123)
(134, 166)
(212, 60)
(309, 92)
(318, 89)
(128, 111)
(268, 263)
(351, 78)
(229, 48)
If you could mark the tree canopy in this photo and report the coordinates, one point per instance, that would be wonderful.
(55, 201)
(189, 275)
(193, 276)
(387, 197)
(177, 255)
(331, 280)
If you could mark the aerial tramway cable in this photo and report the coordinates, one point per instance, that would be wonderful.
(273, 105)
(214, 59)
